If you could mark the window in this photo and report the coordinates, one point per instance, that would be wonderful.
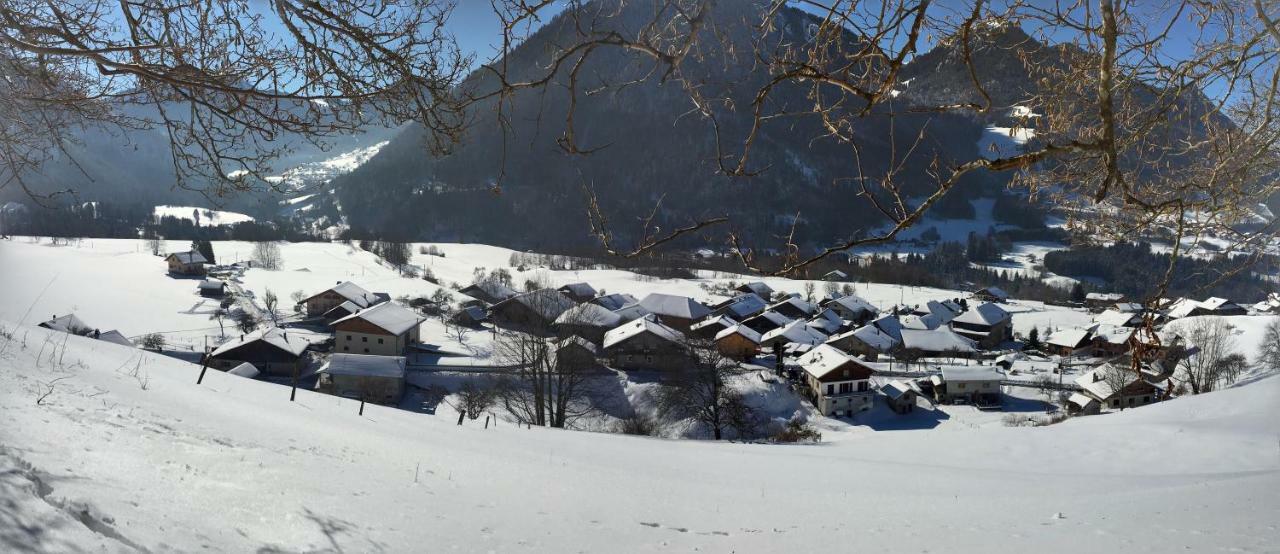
(862, 386)
(348, 337)
(364, 339)
(366, 351)
(831, 389)
(346, 349)
(846, 388)
(379, 341)
(960, 386)
(1115, 403)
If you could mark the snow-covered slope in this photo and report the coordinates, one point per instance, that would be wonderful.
(127, 453)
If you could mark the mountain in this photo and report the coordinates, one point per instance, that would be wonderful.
(650, 148)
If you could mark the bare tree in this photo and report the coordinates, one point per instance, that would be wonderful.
(474, 399)
(219, 314)
(1269, 350)
(270, 302)
(246, 322)
(1210, 365)
(266, 254)
(545, 388)
(704, 393)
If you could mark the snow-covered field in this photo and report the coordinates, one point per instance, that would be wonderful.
(208, 218)
(128, 453)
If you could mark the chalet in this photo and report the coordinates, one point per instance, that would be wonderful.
(385, 329)
(470, 316)
(69, 323)
(979, 386)
(115, 337)
(1108, 340)
(889, 325)
(212, 288)
(186, 263)
(991, 294)
(677, 312)
(534, 311)
(340, 311)
(738, 342)
(1070, 342)
(828, 322)
(937, 342)
(378, 379)
(632, 312)
(987, 324)
(758, 287)
(944, 311)
(579, 292)
(320, 303)
(900, 396)
(1128, 307)
(614, 301)
(867, 340)
(1117, 318)
(1100, 300)
(852, 308)
(796, 332)
(1113, 387)
(838, 384)
(589, 321)
(741, 307)
(576, 353)
(711, 326)
(835, 275)
(1269, 306)
(766, 322)
(794, 308)
(926, 322)
(646, 343)
(489, 291)
(1222, 306)
(273, 351)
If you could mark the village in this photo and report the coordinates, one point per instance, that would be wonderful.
(833, 359)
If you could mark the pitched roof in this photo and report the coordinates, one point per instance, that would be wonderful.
(798, 303)
(69, 323)
(114, 336)
(1117, 318)
(745, 305)
(346, 308)
(869, 335)
(952, 374)
(827, 321)
(890, 325)
(583, 290)
(855, 303)
(640, 326)
(491, 288)
(273, 336)
(1070, 338)
(896, 389)
(996, 292)
(1114, 334)
(723, 321)
(1104, 296)
(389, 316)
(614, 301)
(352, 292)
(548, 303)
(188, 257)
(589, 315)
(210, 284)
(245, 370)
(796, 331)
(674, 306)
(984, 314)
(575, 340)
(746, 332)
(824, 359)
(758, 287)
(920, 322)
(365, 365)
(936, 340)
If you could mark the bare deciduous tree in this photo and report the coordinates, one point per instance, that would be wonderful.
(266, 255)
(704, 393)
(1211, 365)
(270, 301)
(1269, 350)
(475, 399)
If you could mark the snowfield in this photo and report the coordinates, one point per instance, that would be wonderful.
(208, 218)
(127, 453)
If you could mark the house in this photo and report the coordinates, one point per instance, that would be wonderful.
(378, 379)
(758, 287)
(1117, 318)
(838, 384)
(835, 275)
(212, 288)
(579, 292)
(889, 325)
(852, 308)
(937, 342)
(867, 340)
(614, 301)
(272, 350)
(1269, 306)
(741, 307)
(766, 322)
(345, 291)
(69, 323)
(677, 312)
(470, 316)
(589, 321)
(575, 353)
(738, 342)
(979, 386)
(943, 311)
(385, 329)
(116, 337)
(190, 262)
(1110, 340)
(340, 311)
(632, 312)
(1099, 300)
(796, 332)
(1114, 387)
(828, 322)
(1222, 306)
(900, 396)
(1070, 342)
(245, 370)
(794, 308)
(646, 343)
(1128, 307)
(489, 291)
(991, 294)
(711, 326)
(926, 322)
(534, 311)
(987, 324)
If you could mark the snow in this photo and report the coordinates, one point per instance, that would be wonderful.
(1003, 142)
(389, 316)
(983, 314)
(365, 365)
(104, 464)
(674, 306)
(274, 336)
(208, 218)
(936, 340)
(823, 359)
(643, 325)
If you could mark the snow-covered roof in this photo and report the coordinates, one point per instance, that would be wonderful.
(647, 324)
(1128, 306)
(365, 365)
(389, 316)
(797, 332)
(745, 305)
(632, 311)
(1080, 399)
(936, 340)
(855, 304)
(995, 292)
(956, 374)
(984, 314)
(1095, 381)
(548, 303)
(896, 389)
(920, 322)
(674, 306)
(837, 274)
(346, 308)
(114, 336)
(1104, 297)
(798, 303)
(589, 315)
(1113, 334)
(1116, 318)
(1183, 307)
(211, 284)
(245, 370)
(775, 317)
(581, 290)
(758, 287)
(1070, 338)
(69, 323)
(275, 336)
(827, 321)
(614, 301)
(720, 321)
(746, 332)
(890, 325)
(823, 359)
(578, 341)
(491, 288)
(353, 293)
(1215, 303)
(870, 335)
(188, 257)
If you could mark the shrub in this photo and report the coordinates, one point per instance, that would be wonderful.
(797, 430)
